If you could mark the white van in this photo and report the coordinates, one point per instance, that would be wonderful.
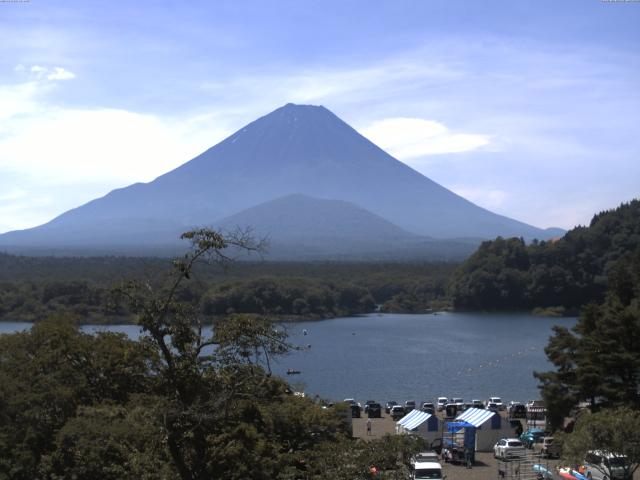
(427, 471)
(605, 466)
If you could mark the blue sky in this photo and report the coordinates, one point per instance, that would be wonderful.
(528, 108)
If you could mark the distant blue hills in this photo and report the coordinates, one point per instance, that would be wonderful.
(299, 175)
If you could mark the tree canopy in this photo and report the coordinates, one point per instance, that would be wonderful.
(174, 404)
(614, 433)
(506, 274)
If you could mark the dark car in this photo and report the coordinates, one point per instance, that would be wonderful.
(374, 410)
(366, 405)
(389, 404)
(409, 405)
(397, 412)
(428, 407)
(450, 410)
(517, 410)
(355, 411)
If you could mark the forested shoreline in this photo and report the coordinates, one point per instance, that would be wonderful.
(559, 276)
(32, 288)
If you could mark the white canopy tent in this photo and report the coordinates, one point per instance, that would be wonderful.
(419, 423)
(490, 427)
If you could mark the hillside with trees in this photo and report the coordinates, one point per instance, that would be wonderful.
(507, 274)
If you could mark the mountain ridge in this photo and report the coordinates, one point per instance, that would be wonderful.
(293, 150)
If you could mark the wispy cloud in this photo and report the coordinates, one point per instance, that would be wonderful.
(60, 73)
(492, 199)
(38, 72)
(407, 138)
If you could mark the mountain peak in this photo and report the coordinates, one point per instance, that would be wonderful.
(301, 112)
(301, 107)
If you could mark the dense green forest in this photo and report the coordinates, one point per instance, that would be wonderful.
(32, 288)
(507, 274)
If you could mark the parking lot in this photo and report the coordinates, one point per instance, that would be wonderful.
(485, 467)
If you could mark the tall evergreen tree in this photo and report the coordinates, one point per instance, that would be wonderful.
(599, 359)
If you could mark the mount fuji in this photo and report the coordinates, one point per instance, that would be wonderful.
(299, 175)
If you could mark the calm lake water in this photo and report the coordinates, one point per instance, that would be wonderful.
(418, 357)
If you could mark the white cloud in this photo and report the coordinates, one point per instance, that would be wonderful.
(37, 69)
(45, 149)
(17, 100)
(38, 72)
(407, 138)
(493, 199)
(60, 73)
(69, 145)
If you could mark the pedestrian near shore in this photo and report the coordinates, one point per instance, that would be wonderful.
(368, 426)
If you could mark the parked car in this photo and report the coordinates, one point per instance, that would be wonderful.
(601, 466)
(428, 407)
(450, 410)
(366, 405)
(467, 406)
(441, 402)
(493, 407)
(397, 412)
(535, 403)
(477, 403)
(427, 470)
(355, 411)
(409, 405)
(388, 405)
(507, 448)
(429, 456)
(458, 402)
(547, 447)
(497, 401)
(517, 410)
(531, 436)
(374, 410)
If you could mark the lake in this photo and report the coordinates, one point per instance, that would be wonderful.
(417, 357)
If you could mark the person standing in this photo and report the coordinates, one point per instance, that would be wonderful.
(368, 426)
(467, 456)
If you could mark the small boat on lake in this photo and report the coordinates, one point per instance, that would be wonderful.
(293, 371)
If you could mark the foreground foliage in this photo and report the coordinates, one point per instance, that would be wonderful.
(175, 403)
(598, 361)
(613, 432)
